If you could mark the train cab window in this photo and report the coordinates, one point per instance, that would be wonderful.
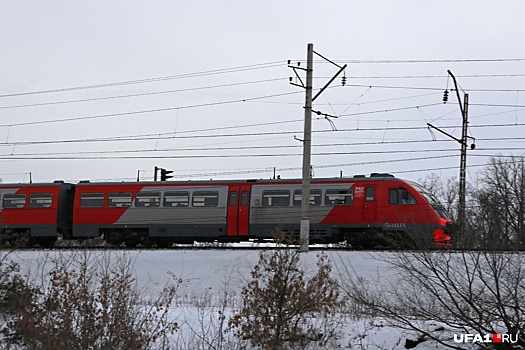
(92, 200)
(40, 200)
(245, 198)
(338, 197)
(119, 200)
(176, 199)
(147, 200)
(369, 194)
(205, 199)
(12, 200)
(400, 196)
(276, 198)
(315, 197)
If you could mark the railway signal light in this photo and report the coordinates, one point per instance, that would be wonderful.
(164, 174)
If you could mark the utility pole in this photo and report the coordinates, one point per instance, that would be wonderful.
(463, 161)
(307, 153)
(463, 174)
(307, 140)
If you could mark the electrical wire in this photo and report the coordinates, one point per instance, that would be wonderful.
(145, 111)
(180, 134)
(156, 79)
(468, 60)
(142, 94)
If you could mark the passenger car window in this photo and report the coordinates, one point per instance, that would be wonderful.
(147, 199)
(40, 200)
(205, 199)
(276, 198)
(315, 197)
(92, 200)
(12, 200)
(176, 199)
(119, 199)
(337, 197)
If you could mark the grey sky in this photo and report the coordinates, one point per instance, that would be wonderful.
(242, 47)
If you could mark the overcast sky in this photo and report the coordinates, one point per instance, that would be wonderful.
(107, 90)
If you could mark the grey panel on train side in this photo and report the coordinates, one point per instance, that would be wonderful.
(203, 208)
(280, 212)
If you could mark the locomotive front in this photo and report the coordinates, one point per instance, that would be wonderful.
(442, 235)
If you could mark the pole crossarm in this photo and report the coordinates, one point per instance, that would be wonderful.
(457, 94)
(449, 135)
(329, 82)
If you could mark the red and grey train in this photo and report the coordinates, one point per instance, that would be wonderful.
(362, 210)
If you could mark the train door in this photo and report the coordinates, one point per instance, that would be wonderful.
(238, 210)
(369, 208)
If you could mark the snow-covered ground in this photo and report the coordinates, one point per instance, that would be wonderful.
(204, 276)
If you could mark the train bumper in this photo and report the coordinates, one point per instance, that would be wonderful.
(442, 236)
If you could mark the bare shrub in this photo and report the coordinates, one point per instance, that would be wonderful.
(92, 302)
(282, 308)
(499, 215)
(14, 294)
(463, 292)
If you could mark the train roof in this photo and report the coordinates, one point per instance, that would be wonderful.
(37, 184)
(373, 176)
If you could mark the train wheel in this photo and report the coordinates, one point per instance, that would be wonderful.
(163, 242)
(114, 238)
(46, 242)
(131, 244)
(23, 240)
(147, 243)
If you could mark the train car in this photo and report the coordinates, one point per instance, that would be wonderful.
(155, 212)
(363, 211)
(379, 210)
(32, 213)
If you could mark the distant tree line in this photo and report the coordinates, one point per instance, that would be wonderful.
(495, 215)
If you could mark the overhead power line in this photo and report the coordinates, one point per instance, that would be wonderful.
(467, 60)
(190, 134)
(142, 94)
(145, 111)
(150, 80)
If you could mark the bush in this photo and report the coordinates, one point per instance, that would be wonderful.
(282, 308)
(91, 303)
(463, 292)
(14, 294)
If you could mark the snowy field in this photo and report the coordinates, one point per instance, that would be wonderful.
(206, 278)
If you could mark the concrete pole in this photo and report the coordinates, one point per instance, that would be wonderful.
(307, 154)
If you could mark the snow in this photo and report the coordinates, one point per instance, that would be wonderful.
(205, 274)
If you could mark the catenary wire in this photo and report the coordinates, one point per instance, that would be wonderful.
(149, 80)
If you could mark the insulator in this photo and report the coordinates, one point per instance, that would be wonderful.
(344, 81)
(445, 96)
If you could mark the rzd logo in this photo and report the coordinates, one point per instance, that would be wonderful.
(487, 338)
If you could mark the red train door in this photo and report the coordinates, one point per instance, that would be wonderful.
(369, 211)
(238, 210)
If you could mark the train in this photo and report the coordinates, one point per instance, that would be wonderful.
(361, 211)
